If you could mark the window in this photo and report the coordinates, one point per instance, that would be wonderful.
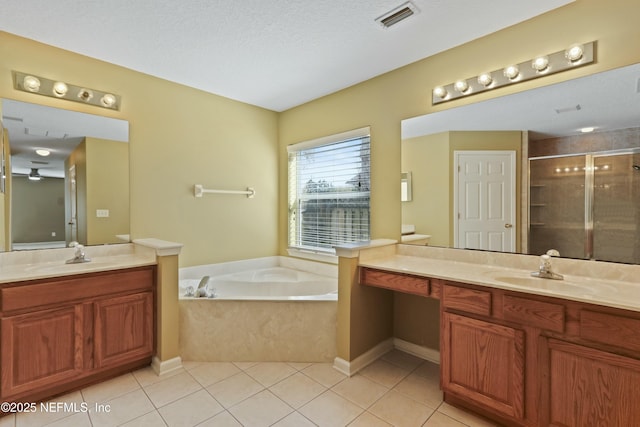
(329, 191)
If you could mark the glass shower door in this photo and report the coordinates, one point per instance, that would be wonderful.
(616, 208)
(557, 206)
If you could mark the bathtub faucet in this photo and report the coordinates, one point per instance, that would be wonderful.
(202, 287)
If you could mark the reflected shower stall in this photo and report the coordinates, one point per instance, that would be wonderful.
(586, 206)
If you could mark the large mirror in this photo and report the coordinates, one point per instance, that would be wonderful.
(553, 167)
(66, 177)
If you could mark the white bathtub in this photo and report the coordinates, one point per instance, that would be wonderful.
(269, 309)
(271, 283)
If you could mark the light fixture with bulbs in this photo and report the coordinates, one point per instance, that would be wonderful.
(62, 90)
(574, 56)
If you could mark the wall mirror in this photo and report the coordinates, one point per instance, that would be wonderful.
(575, 191)
(69, 177)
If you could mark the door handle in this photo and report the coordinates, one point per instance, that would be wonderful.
(508, 225)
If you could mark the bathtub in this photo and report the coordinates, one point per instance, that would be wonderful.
(265, 309)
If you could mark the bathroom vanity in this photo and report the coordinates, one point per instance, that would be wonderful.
(72, 326)
(559, 354)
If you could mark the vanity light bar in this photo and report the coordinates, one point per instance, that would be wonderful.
(575, 56)
(62, 90)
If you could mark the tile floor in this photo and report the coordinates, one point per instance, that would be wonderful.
(396, 390)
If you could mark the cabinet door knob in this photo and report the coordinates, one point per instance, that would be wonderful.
(508, 225)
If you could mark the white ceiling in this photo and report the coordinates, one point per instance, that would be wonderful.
(272, 53)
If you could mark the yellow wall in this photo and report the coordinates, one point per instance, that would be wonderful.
(178, 137)
(108, 188)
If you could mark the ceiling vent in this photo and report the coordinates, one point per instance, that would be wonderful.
(398, 14)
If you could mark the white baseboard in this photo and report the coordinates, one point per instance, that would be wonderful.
(161, 367)
(350, 368)
(416, 350)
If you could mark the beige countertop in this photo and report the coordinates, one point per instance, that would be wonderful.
(602, 291)
(31, 265)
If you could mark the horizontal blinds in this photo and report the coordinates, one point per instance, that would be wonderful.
(329, 192)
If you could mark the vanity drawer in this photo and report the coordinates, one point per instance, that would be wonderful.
(610, 329)
(395, 281)
(538, 314)
(465, 299)
(60, 290)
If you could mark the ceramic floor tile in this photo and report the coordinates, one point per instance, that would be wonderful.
(439, 419)
(297, 390)
(421, 389)
(107, 390)
(324, 373)
(147, 376)
(190, 410)
(384, 373)
(402, 359)
(8, 420)
(294, 419)
(223, 419)
(269, 373)
(262, 409)
(331, 410)
(369, 420)
(465, 417)
(80, 419)
(245, 365)
(235, 389)
(44, 417)
(189, 364)
(429, 370)
(122, 409)
(152, 419)
(171, 389)
(400, 410)
(299, 366)
(210, 373)
(360, 390)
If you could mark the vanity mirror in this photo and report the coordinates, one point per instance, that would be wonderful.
(576, 192)
(69, 177)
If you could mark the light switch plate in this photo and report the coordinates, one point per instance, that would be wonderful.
(102, 213)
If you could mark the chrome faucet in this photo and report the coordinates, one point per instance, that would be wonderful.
(545, 270)
(79, 256)
(202, 287)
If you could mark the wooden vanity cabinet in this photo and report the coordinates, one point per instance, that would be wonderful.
(61, 333)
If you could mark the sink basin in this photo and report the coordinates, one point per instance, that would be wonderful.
(547, 284)
(583, 286)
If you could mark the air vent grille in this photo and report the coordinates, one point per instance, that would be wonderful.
(398, 14)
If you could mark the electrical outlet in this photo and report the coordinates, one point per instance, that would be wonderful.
(102, 213)
(53, 234)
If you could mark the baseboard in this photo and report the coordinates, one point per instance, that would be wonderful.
(162, 367)
(350, 368)
(416, 350)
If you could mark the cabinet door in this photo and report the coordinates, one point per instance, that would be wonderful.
(588, 387)
(41, 349)
(484, 362)
(123, 329)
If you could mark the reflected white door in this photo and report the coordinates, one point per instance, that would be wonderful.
(73, 206)
(484, 203)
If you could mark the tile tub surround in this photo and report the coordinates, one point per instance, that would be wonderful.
(250, 330)
(396, 390)
(614, 285)
(37, 264)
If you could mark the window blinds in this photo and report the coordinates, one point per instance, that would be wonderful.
(329, 183)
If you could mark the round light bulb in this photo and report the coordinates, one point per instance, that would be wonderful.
(461, 86)
(60, 89)
(485, 79)
(440, 92)
(85, 95)
(512, 72)
(108, 100)
(574, 53)
(587, 129)
(541, 63)
(31, 83)
(42, 152)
